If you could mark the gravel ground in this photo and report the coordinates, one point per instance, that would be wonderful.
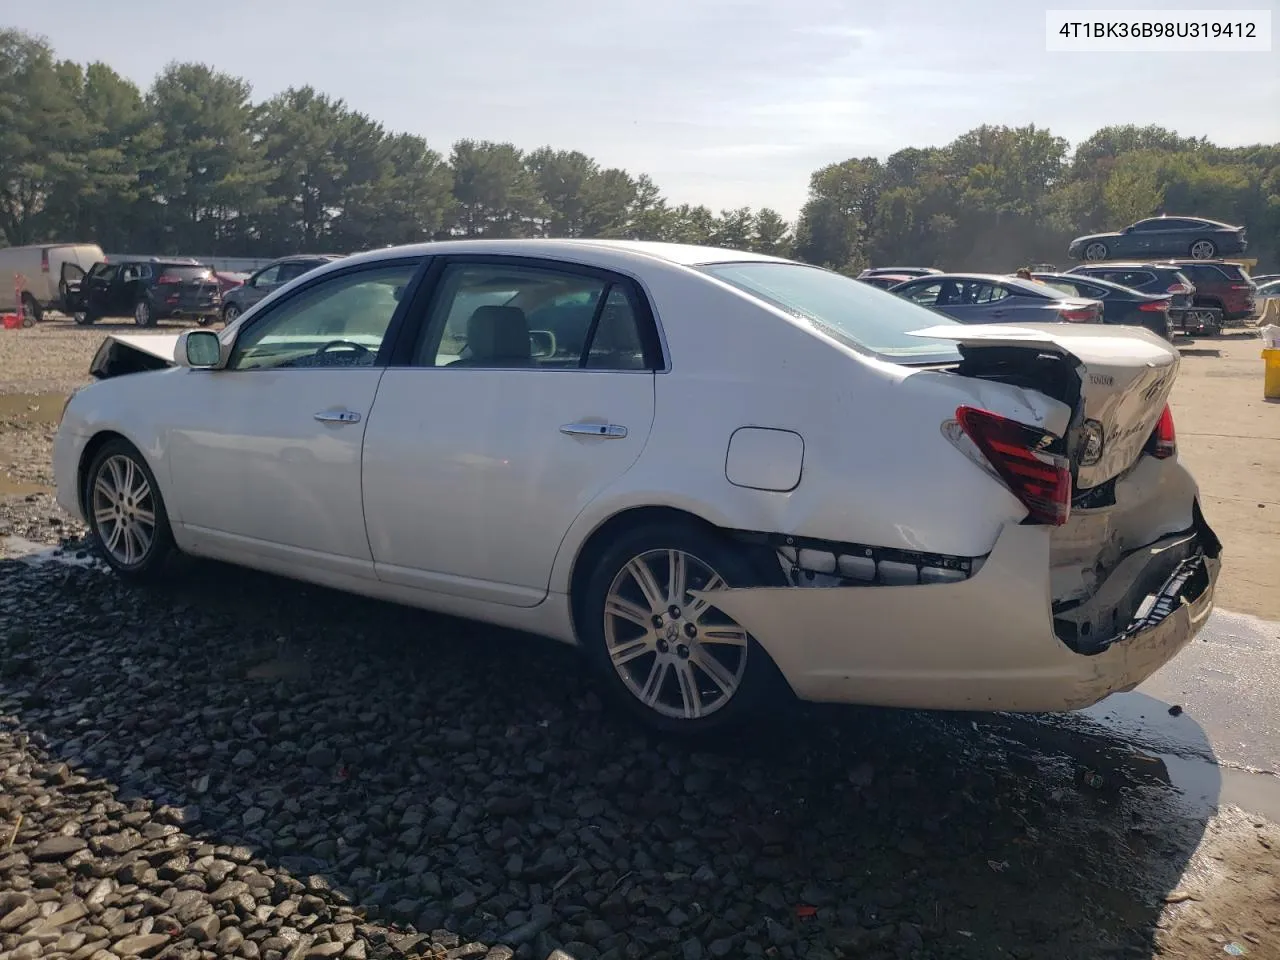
(236, 765)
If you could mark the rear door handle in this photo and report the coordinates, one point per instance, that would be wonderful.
(605, 431)
(338, 416)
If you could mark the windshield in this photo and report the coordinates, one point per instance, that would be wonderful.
(852, 312)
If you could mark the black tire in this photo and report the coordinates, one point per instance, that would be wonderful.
(153, 560)
(144, 314)
(1203, 250)
(757, 680)
(230, 315)
(31, 312)
(84, 319)
(1099, 250)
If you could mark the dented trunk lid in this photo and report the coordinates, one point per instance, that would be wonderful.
(1125, 376)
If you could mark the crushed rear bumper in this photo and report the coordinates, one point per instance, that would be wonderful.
(991, 642)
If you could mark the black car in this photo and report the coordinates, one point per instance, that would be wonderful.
(1120, 305)
(1164, 279)
(147, 290)
(1160, 237)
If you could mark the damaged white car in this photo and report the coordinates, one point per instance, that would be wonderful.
(718, 473)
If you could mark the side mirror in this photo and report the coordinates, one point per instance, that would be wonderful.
(199, 349)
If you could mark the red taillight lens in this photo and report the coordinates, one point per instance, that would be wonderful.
(165, 278)
(1079, 314)
(1164, 439)
(1156, 306)
(44, 261)
(1042, 481)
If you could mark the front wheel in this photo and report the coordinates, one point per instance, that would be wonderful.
(1096, 251)
(1203, 250)
(230, 315)
(676, 661)
(143, 315)
(126, 514)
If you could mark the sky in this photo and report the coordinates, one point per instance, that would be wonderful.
(723, 102)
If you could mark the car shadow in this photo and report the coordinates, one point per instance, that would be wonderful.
(446, 776)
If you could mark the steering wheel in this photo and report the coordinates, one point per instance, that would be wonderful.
(360, 348)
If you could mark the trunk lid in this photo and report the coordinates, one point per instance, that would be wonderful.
(1125, 376)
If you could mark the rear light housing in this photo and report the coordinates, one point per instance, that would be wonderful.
(1079, 314)
(1039, 479)
(1163, 442)
(44, 261)
(166, 278)
(1156, 306)
(1178, 288)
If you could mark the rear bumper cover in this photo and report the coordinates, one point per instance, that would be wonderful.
(988, 643)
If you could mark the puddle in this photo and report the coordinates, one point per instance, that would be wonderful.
(33, 407)
(17, 488)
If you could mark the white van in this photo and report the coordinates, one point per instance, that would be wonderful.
(40, 267)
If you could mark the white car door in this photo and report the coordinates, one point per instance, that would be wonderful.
(265, 453)
(529, 390)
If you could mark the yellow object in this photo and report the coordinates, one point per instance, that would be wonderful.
(1271, 382)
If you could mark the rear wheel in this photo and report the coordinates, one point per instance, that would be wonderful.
(126, 513)
(31, 312)
(1096, 251)
(143, 315)
(84, 319)
(676, 661)
(1203, 250)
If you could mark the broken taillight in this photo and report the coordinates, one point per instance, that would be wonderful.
(1041, 480)
(1163, 443)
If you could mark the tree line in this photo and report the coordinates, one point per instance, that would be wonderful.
(194, 164)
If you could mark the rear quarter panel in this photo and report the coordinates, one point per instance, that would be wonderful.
(877, 468)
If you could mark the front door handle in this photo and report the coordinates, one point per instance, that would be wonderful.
(338, 416)
(605, 431)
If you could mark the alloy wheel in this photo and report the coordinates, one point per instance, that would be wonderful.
(142, 314)
(124, 510)
(1095, 251)
(677, 654)
(1202, 250)
(230, 315)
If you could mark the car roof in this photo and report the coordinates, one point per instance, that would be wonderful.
(604, 253)
(1100, 281)
(1185, 216)
(1127, 265)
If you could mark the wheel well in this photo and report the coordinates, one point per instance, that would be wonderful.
(598, 542)
(96, 443)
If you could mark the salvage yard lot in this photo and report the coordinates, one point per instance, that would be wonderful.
(237, 765)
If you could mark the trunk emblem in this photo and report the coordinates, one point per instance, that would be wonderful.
(1094, 441)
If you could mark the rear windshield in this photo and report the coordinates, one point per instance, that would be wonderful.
(184, 272)
(857, 314)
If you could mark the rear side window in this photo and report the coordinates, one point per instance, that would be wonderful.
(842, 308)
(1128, 278)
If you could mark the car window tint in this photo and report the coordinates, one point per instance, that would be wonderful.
(338, 322)
(984, 293)
(496, 316)
(1145, 226)
(267, 276)
(926, 294)
(1070, 289)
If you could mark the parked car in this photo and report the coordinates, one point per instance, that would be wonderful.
(1262, 278)
(40, 266)
(886, 281)
(1150, 278)
(863, 501)
(267, 280)
(1221, 286)
(1195, 237)
(987, 298)
(147, 290)
(897, 271)
(1120, 305)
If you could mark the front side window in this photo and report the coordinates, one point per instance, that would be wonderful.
(267, 277)
(338, 322)
(512, 317)
(854, 313)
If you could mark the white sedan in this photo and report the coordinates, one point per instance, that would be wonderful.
(720, 474)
